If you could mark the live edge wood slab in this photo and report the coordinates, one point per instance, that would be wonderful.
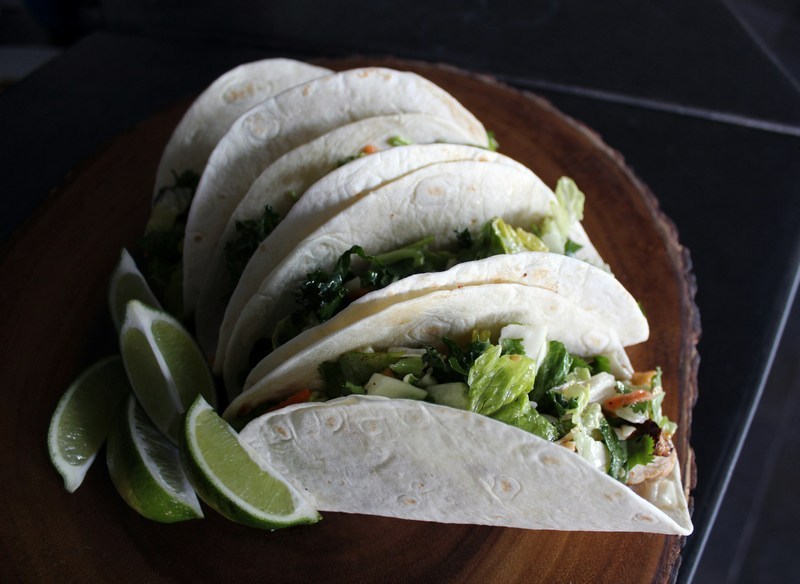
(54, 322)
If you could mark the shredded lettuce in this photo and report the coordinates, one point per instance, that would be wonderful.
(162, 243)
(495, 380)
(249, 235)
(498, 237)
(617, 451)
(354, 369)
(565, 211)
(493, 144)
(553, 370)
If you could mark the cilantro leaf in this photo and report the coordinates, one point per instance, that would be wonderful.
(640, 450)
(570, 247)
(600, 364)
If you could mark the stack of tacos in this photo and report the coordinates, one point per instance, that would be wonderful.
(406, 322)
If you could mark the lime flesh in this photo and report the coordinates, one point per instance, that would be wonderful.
(164, 364)
(145, 469)
(83, 417)
(127, 283)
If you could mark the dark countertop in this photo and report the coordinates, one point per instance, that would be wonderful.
(702, 116)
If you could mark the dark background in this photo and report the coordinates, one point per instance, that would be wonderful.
(701, 97)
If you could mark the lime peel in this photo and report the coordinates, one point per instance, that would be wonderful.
(145, 469)
(230, 476)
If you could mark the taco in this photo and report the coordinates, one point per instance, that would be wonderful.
(484, 208)
(284, 182)
(186, 154)
(213, 112)
(294, 117)
(496, 404)
(596, 291)
(321, 202)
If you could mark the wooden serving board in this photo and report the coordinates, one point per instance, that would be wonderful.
(54, 323)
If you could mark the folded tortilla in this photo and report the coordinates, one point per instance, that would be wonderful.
(424, 320)
(597, 292)
(287, 179)
(416, 460)
(434, 201)
(215, 110)
(324, 200)
(287, 120)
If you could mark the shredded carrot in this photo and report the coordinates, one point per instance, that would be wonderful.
(643, 377)
(296, 398)
(626, 399)
(369, 149)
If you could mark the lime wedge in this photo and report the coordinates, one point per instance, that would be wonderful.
(233, 479)
(83, 417)
(127, 283)
(164, 364)
(145, 468)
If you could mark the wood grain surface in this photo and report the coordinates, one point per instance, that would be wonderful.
(54, 323)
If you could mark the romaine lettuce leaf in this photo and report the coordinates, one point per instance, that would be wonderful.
(521, 414)
(495, 380)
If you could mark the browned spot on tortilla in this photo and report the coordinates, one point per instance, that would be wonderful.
(506, 486)
(409, 501)
(306, 90)
(436, 190)
(282, 431)
(644, 517)
(549, 460)
(235, 94)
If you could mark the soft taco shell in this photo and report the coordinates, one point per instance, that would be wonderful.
(213, 112)
(326, 198)
(437, 200)
(425, 320)
(290, 176)
(593, 290)
(415, 460)
(287, 120)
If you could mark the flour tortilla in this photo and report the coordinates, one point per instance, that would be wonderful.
(298, 169)
(331, 195)
(416, 460)
(425, 320)
(227, 98)
(437, 201)
(595, 291)
(287, 120)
